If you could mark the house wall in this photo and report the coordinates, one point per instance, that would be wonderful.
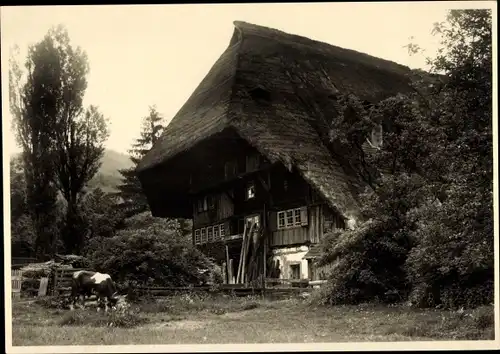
(287, 256)
(320, 220)
(221, 204)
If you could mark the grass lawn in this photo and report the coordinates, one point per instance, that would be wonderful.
(218, 319)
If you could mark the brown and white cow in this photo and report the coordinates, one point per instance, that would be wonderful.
(86, 282)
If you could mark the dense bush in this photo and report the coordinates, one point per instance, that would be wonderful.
(153, 255)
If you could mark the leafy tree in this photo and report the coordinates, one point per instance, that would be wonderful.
(428, 224)
(62, 141)
(453, 261)
(100, 215)
(18, 198)
(22, 233)
(134, 200)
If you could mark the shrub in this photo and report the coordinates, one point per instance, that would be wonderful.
(151, 256)
(366, 266)
(127, 319)
(53, 302)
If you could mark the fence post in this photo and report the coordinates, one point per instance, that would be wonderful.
(16, 283)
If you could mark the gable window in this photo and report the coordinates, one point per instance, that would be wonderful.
(292, 218)
(260, 94)
(203, 235)
(200, 205)
(197, 239)
(250, 191)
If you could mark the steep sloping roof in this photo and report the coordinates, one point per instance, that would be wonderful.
(278, 124)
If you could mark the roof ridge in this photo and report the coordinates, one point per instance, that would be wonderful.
(265, 31)
(237, 45)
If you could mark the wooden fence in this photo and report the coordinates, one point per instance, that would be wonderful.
(61, 280)
(17, 282)
(60, 283)
(22, 260)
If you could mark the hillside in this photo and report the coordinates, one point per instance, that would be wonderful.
(108, 176)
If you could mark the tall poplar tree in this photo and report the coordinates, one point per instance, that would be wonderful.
(62, 141)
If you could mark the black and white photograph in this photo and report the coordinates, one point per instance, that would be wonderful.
(250, 177)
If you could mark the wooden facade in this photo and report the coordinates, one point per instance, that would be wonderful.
(242, 187)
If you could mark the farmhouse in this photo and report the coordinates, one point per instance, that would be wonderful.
(247, 149)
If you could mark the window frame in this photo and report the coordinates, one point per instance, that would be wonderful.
(250, 187)
(210, 202)
(203, 233)
(253, 217)
(197, 237)
(222, 231)
(286, 221)
(210, 234)
(216, 233)
(291, 266)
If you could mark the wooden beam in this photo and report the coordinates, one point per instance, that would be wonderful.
(264, 184)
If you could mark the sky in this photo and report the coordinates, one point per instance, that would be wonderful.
(142, 55)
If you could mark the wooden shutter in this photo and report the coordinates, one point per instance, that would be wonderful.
(303, 216)
(273, 220)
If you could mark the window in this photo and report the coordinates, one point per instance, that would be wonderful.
(296, 215)
(211, 202)
(281, 220)
(197, 239)
(203, 235)
(289, 217)
(292, 218)
(295, 271)
(375, 139)
(250, 191)
(253, 219)
(202, 205)
(222, 231)
(260, 94)
(216, 233)
(285, 185)
(210, 234)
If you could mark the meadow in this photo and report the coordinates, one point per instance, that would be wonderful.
(222, 319)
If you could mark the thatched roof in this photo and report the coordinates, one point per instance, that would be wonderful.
(249, 90)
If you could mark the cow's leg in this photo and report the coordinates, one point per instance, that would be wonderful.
(82, 300)
(106, 302)
(99, 302)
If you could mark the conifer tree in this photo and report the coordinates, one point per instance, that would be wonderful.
(134, 200)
